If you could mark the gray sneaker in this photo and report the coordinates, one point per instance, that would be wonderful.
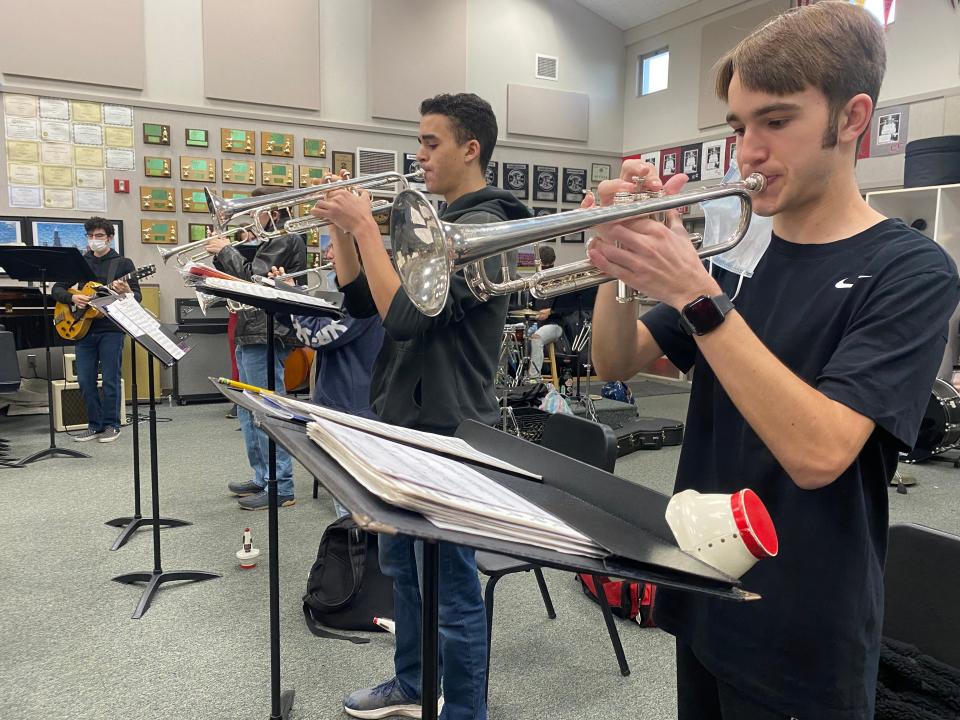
(244, 488)
(385, 700)
(109, 434)
(87, 435)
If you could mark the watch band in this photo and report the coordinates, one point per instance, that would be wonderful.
(705, 314)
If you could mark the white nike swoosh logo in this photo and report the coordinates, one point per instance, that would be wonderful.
(844, 284)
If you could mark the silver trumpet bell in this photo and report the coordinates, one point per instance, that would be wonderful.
(427, 250)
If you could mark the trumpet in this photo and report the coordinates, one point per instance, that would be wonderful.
(427, 250)
(180, 252)
(225, 210)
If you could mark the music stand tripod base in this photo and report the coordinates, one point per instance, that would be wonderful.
(154, 580)
(131, 524)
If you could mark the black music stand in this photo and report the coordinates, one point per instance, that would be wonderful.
(131, 524)
(280, 702)
(43, 265)
(625, 518)
(154, 341)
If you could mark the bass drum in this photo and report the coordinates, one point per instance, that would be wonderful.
(940, 428)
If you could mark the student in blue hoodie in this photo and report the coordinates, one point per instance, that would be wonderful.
(346, 349)
(431, 374)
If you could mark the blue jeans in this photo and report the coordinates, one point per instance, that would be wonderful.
(106, 350)
(252, 365)
(462, 619)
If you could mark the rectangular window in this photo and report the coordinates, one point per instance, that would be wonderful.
(653, 71)
(878, 7)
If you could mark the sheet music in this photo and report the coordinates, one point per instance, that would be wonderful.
(133, 318)
(271, 293)
(448, 494)
(430, 441)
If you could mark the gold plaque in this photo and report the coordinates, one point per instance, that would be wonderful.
(241, 172)
(238, 141)
(194, 200)
(310, 174)
(157, 199)
(158, 232)
(235, 194)
(158, 167)
(276, 174)
(198, 169)
(314, 147)
(272, 143)
(313, 237)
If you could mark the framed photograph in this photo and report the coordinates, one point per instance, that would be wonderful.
(69, 232)
(11, 231)
(599, 172)
(342, 161)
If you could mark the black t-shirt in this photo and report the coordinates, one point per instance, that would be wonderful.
(865, 321)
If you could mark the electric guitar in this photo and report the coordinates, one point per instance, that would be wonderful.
(72, 322)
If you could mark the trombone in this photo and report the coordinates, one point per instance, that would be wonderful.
(427, 250)
(225, 210)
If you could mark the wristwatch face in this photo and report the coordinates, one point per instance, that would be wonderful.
(702, 315)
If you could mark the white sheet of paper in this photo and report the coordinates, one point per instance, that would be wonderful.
(91, 200)
(265, 291)
(56, 154)
(117, 115)
(431, 441)
(21, 105)
(23, 174)
(89, 178)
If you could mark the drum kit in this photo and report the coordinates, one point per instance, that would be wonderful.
(513, 366)
(939, 432)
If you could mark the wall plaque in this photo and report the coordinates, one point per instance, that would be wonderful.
(241, 172)
(196, 138)
(280, 174)
(158, 232)
(158, 167)
(155, 134)
(235, 194)
(310, 174)
(193, 200)
(199, 231)
(314, 147)
(157, 199)
(238, 141)
(272, 143)
(198, 169)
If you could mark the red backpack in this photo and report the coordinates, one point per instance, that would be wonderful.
(629, 600)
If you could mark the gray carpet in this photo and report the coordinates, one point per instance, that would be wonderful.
(71, 650)
(653, 388)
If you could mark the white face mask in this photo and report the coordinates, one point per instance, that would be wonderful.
(721, 219)
(98, 245)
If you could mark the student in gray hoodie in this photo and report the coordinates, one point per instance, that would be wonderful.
(431, 374)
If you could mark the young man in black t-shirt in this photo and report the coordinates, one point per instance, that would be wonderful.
(806, 388)
(432, 373)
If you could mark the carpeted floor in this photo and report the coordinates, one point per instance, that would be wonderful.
(71, 650)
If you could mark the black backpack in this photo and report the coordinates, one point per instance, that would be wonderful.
(345, 588)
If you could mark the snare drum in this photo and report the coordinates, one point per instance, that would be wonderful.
(940, 428)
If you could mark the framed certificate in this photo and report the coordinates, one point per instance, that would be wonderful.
(277, 174)
(198, 169)
(314, 147)
(193, 200)
(196, 138)
(599, 172)
(157, 199)
(342, 161)
(158, 232)
(240, 172)
(238, 141)
(272, 143)
(155, 134)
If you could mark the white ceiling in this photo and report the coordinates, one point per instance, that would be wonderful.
(626, 14)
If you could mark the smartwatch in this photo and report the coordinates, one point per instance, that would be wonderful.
(704, 314)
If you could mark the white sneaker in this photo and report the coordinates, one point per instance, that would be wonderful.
(109, 434)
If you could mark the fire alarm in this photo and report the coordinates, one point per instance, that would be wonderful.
(121, 186)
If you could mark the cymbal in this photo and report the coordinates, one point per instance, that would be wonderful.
(522, 313)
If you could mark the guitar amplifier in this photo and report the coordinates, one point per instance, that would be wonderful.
(69, 410)
(209, 356)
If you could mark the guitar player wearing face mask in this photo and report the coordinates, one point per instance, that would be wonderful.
(102, 346)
